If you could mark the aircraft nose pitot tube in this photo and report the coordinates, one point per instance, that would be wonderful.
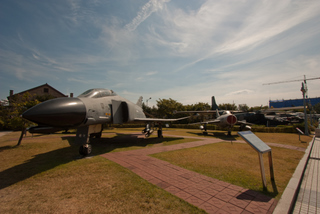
(59, 112)
(231, 119)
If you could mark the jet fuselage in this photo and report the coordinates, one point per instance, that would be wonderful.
(90, 108)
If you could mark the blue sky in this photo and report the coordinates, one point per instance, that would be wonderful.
(187, 50)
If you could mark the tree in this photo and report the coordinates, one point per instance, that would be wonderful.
(198, 107)
(10, 114)
(166, 107)
(243, 107)
(227, 106)
(316, 107)
(148, 111)
(45, 97)
(258, 108)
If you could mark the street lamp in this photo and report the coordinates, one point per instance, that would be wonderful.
(148, 100)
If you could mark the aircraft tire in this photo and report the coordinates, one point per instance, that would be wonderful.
(85, 149)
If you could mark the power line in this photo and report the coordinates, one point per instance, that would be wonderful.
(290, 81)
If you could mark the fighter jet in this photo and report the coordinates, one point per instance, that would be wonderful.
(224, 119)
(88, 113)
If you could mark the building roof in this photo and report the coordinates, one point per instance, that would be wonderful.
(293, 102)
(41, 86)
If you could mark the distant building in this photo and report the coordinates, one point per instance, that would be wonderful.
(42, 90)
(292, 103)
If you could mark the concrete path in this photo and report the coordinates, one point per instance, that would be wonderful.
(207, 193)
(308, 200)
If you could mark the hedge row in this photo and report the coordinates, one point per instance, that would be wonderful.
(278, 129)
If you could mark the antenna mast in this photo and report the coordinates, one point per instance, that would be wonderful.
(304, 90)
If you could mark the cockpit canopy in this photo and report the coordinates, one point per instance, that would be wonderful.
(97, 93)
(226, 112)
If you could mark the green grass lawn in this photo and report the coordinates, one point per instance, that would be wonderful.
(45, 174)
(237, 164)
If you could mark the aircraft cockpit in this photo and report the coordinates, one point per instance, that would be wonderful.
(97, 93)
(226, 112)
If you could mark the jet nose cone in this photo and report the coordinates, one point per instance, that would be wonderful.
(59, 112)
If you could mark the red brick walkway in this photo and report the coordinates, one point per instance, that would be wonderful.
(207, 193)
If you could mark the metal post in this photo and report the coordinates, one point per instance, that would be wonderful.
(303, 90)
(263, 175)
(271, 166)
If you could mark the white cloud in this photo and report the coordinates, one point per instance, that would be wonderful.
(35, 56)
(228, 27)
(240, 92)
(222, 48)
(149, 8)
(151, 73)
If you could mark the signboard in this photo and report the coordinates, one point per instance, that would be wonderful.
(260, 146)
(300, 132)
(254, 141)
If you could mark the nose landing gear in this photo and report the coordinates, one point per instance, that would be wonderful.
(149, 130)
(85, 149)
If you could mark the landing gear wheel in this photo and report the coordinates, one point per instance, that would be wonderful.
(85, 149)
(98, 135)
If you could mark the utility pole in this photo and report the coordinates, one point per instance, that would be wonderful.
(304, 90)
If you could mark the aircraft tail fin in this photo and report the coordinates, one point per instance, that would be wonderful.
(217, 114)
(139, 102)
(214, 105)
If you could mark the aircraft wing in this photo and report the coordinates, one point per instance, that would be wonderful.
(205, 112)
(218, 121)
(158, 119)
(196, 112)
(243, 122)
(207, 122)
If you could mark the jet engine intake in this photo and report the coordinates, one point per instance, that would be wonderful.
(231, 119)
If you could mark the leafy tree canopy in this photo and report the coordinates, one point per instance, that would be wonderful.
(166, 108)
(10, 114)
(316, 107)
(198, 107)
(227, 106)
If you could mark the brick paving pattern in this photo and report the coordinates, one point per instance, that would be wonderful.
(207, 193)
(308, 200)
